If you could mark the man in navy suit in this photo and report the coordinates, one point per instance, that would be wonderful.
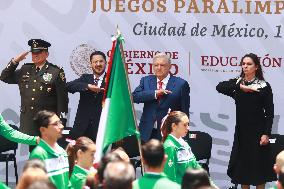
(90, 87)
(160, 92)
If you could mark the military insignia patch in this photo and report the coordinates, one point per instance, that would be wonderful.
(62, 76)
(47, 77)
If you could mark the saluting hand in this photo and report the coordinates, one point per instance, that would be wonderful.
(20, 57)
(95, 88)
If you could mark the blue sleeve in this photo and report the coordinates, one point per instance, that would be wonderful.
(141, 95)
(185, 98)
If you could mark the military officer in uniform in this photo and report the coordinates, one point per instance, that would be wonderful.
(41, 84)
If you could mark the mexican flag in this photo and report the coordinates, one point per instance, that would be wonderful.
(118, 117)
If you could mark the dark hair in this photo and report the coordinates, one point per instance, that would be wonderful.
(82, 143)
(98, 53)
(255, 59)
(109, 157)
(195, 178)
(42, 184)
(34, 163)
(41, 119)
(173, 117)
(119, 175)
(153, 153)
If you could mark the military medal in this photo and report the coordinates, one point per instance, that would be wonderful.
(47, 77)
(40, 88)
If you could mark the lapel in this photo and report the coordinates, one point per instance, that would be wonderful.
(90, 79)
(103, 82)
(153, 82)
(170, 86)
(171, 83)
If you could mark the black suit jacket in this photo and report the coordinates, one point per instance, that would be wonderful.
(89, 107)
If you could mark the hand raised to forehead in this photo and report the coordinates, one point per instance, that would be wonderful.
(21, 56)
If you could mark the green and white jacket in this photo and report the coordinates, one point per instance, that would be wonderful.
(56, 163)
(14, 135)
(78, 177)
(180, 157)
(3, 186)
(155, 181)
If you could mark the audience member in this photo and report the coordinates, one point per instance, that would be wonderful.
(83, 152)
(194, 178)
(31, 175)
(122, 154)
(154, 159)
(34, 163)
(42, 184)
(180, 156)
(54, 157)
(109, 157)
(118, 175)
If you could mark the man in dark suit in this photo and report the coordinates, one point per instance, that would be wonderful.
(41, 84)
(160, 92)
(90, 87)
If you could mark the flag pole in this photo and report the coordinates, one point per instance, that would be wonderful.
(118, 33)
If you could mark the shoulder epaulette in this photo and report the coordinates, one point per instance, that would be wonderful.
(53, 65)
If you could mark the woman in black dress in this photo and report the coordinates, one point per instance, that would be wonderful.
(249, 161)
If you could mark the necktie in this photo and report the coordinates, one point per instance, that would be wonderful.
(160, 86)
(96, 81)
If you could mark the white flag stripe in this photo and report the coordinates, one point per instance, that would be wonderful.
(101, 131)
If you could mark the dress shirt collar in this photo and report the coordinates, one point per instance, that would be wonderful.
(165, 80)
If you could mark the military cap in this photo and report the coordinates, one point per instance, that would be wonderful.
(38, 45)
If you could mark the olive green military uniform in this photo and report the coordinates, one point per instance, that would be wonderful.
(39, 90)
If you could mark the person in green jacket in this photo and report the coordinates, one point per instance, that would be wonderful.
(83, 152)
(4, 186)
(180, 156)
(54, 157)
(154, 159)
(16, 136)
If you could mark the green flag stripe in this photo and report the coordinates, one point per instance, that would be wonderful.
(120, 118)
